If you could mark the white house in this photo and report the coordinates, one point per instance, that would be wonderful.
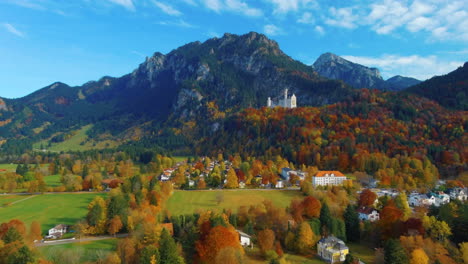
(245, 239)
(58, 230)
(279, 184)
(441, 198)
(323, 178)
(459, 193)
(368, 214)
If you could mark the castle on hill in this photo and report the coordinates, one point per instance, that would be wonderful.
(283, 102)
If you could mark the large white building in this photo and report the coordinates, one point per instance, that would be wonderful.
(287, 102)
(323, 178)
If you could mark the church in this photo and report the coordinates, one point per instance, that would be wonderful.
(283, 102)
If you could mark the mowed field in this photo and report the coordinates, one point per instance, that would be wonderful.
(87, 251)
(8, 167)
(188, 202)
(48, 209)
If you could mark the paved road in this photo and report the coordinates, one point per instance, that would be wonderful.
(84, 239)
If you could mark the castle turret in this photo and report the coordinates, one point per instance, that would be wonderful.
(285, 100)
(269, 102)
(293, 101)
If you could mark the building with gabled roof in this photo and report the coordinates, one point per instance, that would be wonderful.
(324, 178)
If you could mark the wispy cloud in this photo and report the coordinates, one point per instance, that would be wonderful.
(419, 67)
(26, 3)
(236, 6)
(138, 53)
(342, 17)
(306, 18)
(177, 23)
(167, 8)
(10, 28)
(285, 6)
(128, 4)
(272, 30)
(441, 20)
(319, 30)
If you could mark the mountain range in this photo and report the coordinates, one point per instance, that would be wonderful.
(358, 76)
(198, 84)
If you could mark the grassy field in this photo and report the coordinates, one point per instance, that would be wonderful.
(78, 142)
(8, 167)
(52, 180)
(187, 202)
(89, 251)
(363, 252)
(48, 209)
(11, 198)
(303, 260)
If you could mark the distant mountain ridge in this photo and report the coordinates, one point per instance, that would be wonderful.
(450, 90)
(335, 67)
(228, 73)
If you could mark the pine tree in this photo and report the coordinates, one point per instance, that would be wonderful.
(352, 226)
(168, 249)
(394, 252)
(149, 254)
(326, 219)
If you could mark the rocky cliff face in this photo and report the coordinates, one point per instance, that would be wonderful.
(334, 67)
(232, 72)
(358, 76)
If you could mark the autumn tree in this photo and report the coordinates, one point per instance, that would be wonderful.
(436, 229)
(115, 224)
(305, 238)
(217, 238)
(266, 240)
(35, 231)
(311, 207)
(231, 178)
(367, 198)
(402, 203)
(126, 250)
(418, 256)
(97, 215)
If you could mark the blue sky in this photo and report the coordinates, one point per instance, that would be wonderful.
(75, 41)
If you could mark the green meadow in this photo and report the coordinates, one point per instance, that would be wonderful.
(87, 251)
(78, 142)
(187, 202)
(48, 209)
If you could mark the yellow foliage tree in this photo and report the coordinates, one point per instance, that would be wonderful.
(231, 179)
(418, 256)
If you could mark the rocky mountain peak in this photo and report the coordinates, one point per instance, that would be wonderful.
(335, 67)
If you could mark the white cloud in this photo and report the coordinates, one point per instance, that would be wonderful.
(214, 5)
(167, 8)
(177, 23)
(242, 7)
(319, 30)
(342, 17)
(285, 6)
(272, 30)
(26, 4)
(10, 28)
(237, 6)
(443, 20)
(125, 3)
(306, 18)
(419, 67)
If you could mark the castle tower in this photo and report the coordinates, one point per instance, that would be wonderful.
(293, 101)
(269, 102)
(285, 101)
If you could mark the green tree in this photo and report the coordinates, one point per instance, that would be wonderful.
(12, 235)
(23, 256)
(148, 254)
(326, 219)
(394, 253)
(168, 249)
(353, 228)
